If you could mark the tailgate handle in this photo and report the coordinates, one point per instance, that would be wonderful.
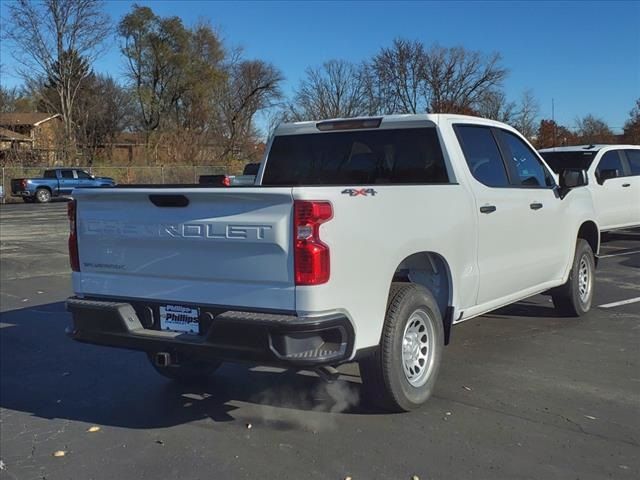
(169, 200)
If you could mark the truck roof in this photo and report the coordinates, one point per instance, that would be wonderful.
(585, 148)
(386, 121)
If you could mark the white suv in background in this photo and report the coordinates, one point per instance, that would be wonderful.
(614, 179)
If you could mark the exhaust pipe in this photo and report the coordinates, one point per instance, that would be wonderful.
(327, 373)
(163, 359)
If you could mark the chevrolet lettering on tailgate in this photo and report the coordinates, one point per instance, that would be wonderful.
(204, 230)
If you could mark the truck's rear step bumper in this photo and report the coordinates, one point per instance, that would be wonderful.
(263, 338)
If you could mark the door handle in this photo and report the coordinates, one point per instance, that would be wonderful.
(535, 206)
(488, 209)
(626, 184)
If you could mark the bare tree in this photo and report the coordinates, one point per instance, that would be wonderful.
(526, 117)
(252, 86)
(16, 100)
(173, 70)
(591, 129)
(632, 125)
(457, 79)
(413, 79)
(400, 71)
(336, 89)
(52, 38)
(494, 105)
(105, 109)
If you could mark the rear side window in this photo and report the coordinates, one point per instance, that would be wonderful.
(482, 155)
(527, 166)
(610, 162)
(66, 173)
(49, 174)
(634, 161)
(559, 161)
(385, 157)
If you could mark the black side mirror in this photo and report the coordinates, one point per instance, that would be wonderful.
(573, 177)
(606, 174)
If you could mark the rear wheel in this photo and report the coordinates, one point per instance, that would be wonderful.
(43, 195)
(187, 370)
(401, 375)
(574, 297)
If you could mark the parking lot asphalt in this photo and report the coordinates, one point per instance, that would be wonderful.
(522, 393)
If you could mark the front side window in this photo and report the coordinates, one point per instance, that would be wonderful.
(482, 155)
(383, 157)
(66, 173)
(610, 166)
(529, 170)
(83, 175)
(634, 161)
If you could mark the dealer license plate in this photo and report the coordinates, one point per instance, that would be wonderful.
(176, 318)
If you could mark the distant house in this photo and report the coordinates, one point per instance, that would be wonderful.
(10, 139)
(34, 130)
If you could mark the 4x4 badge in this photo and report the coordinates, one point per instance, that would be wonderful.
(355, 192)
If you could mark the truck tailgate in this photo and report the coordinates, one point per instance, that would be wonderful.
(205, 246)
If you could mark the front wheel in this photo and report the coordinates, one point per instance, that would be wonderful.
(187, 371)
(401, 375)
(575, 296)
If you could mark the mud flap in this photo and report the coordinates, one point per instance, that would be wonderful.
(447, 321)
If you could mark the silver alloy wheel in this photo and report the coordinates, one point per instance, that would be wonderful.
(43, 195)
(584, 279)
(418, 348)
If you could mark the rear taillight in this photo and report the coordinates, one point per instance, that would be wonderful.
(226, 181)
(311, 257)
(23, 184)
(74, 258)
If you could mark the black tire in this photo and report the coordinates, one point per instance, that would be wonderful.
(43, 195)
(385, 383)
(574, 298)
(187, 371)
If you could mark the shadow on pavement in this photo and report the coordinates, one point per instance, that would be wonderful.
(632, 235)
(45, 373)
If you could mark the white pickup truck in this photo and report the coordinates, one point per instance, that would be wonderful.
(614, 180)
(363, 240)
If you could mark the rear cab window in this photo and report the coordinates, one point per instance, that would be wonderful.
(610, 163)
(633, 157)
(559, 161)
(355, 157)
(500, 158)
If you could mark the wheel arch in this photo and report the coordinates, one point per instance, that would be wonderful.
(589, 231)
(432, 271)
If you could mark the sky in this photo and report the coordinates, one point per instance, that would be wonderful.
(583, 55)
